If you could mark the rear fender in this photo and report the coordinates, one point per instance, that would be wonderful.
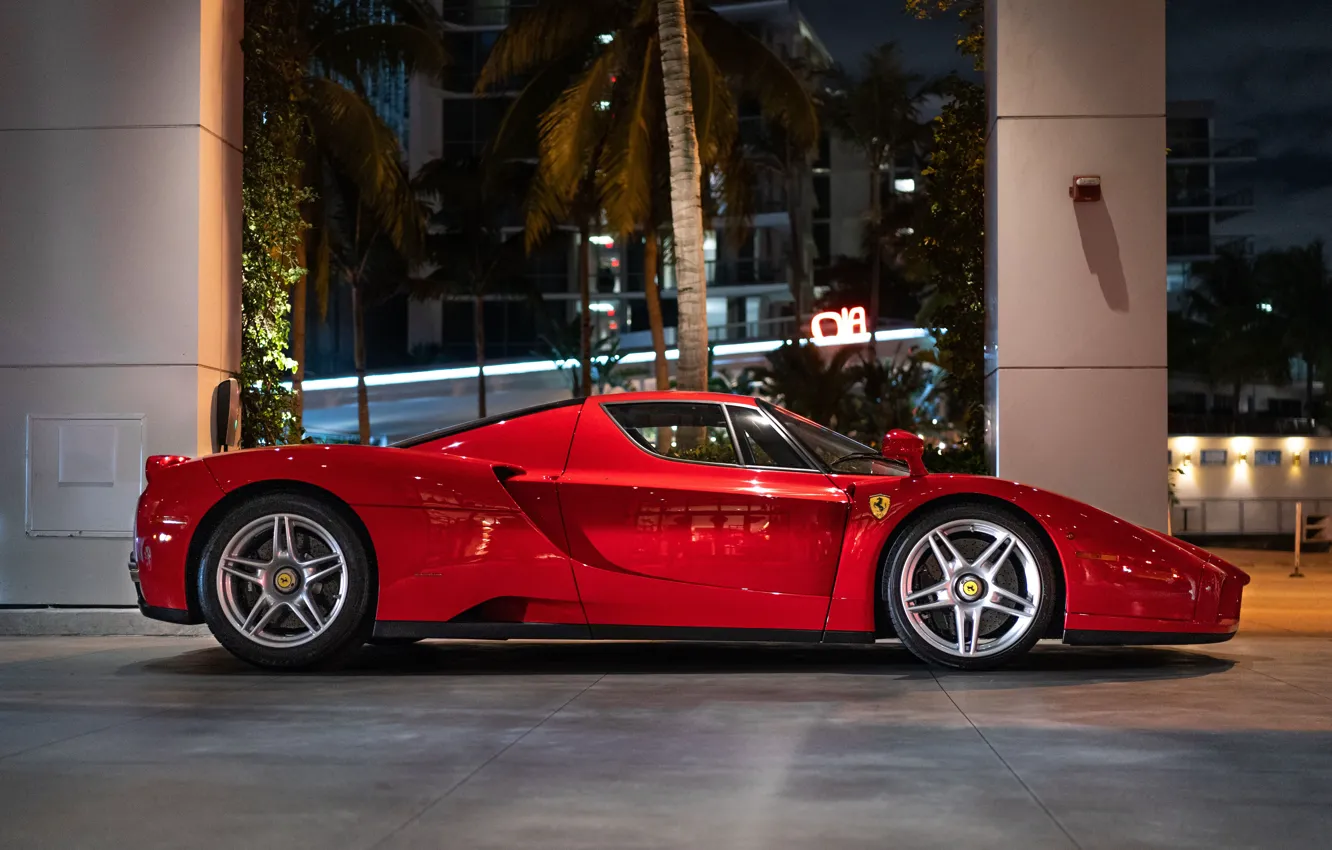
(365, 476)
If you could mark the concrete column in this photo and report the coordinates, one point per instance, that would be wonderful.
(120, 169)
(1076, 343)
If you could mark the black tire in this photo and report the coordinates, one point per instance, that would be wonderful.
(895, 563)
(350, 624)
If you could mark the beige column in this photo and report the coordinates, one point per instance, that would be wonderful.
(120, 161)
(1076, 343)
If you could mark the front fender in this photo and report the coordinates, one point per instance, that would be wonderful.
(1111, 567)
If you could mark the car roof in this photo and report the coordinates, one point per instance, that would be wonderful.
(610, 398)
(674, 395)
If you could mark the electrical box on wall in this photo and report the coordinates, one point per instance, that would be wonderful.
(84, 475)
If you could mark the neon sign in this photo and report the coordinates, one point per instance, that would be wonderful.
(849, 322)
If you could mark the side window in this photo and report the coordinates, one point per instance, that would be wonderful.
(760, 441)
(678, 430)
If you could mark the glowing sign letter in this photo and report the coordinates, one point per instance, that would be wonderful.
(849, 322)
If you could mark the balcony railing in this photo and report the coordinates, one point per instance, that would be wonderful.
(1212, 424)
(481, 13)
(1206, 148)
(1208, 246)
(737, 272)
(1210, 198)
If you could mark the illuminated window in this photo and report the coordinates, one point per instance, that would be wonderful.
(1267, 457)
(1321, 457)
(1213, 457)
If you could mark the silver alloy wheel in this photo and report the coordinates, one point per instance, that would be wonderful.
(282, 580)
(970, 588)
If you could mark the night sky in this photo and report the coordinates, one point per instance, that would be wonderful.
(1266, 63)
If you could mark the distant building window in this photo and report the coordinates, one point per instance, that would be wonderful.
(1215, 457)
(1267, 457)
(1321, 457)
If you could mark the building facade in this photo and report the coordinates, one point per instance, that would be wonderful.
(1203, 192)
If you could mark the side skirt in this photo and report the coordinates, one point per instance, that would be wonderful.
(562, 631)
(1087, 637)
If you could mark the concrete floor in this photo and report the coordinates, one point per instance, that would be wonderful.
(150, 742)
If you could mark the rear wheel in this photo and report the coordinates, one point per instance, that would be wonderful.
(969, 586)
(285, 583)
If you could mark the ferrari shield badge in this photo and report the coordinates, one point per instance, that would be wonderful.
(879, 506)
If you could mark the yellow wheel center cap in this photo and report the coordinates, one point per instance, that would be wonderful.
(285, 581)
(970, 588)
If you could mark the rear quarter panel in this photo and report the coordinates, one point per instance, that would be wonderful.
(446, 533)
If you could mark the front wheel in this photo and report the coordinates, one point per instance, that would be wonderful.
(286, 583)
(969, 586)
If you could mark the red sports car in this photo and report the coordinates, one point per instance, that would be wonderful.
(651, 516)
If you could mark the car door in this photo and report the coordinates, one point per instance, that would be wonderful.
(698, 514)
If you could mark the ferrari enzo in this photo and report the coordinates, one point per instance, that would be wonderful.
(666, 515)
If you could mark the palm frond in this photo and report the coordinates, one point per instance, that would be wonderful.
(569, 133)
(626, 177)
(550, 31)
(322, 259)
(758, 71)
(362, 53)
(516, 134)
(349, 133)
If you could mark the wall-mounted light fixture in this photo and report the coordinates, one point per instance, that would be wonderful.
(1085, 189)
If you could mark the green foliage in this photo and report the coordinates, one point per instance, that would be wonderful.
(971, 13)
(860, 397)
(964, 459)
(1300, 289)
(597, 107)
(952, 247)
(272, 228)
(1223, 333)
(952, 232)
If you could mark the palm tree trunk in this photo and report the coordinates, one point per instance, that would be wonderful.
(651, 255)
(358, 349)
(801, 290)
(479, 332)
(686, 201)
(876, 216)
(585, 308)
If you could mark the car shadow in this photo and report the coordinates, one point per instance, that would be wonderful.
(1048, 665)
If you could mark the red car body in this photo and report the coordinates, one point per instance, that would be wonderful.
(554, 523)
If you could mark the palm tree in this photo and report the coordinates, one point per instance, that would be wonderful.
(686, 196)
(363, 257)
(599, 73)
(472, 254)
(879, 112)
(1301, 294)
(1235, 340)
(801, 378)
(335, 50)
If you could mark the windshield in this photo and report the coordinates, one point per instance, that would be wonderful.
(837, 452)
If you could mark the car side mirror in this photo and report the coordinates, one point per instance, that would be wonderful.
(905, 447)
